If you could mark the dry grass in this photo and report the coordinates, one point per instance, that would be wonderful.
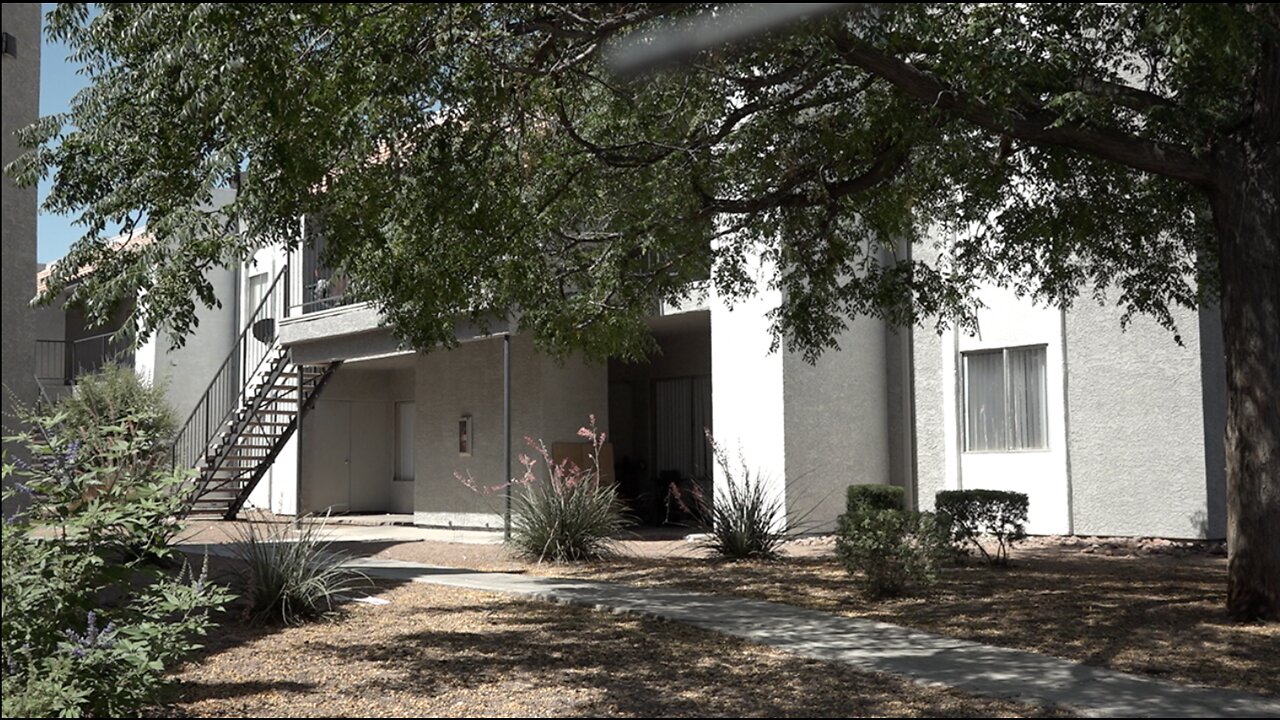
(1158, 615)
(438, 651)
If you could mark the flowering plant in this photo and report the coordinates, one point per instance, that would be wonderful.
(572, 515)
(92, 616)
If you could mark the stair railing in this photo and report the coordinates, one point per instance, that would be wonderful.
(227, 390)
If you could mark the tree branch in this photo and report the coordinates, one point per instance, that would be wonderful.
(1037, 126)
(884, 167)
(1124, 95)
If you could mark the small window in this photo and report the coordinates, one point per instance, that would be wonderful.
(1005, 400)
(255, 292)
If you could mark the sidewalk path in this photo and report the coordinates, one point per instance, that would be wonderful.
(870, 645)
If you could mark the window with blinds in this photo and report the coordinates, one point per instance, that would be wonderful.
(1005, 400)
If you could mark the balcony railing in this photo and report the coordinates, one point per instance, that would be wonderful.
(319, 299)
(62, 361)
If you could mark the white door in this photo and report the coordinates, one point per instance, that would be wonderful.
(326, 470)
(371, 461)
(403, 484)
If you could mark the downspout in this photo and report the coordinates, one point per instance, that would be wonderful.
(1066, 426)
(297, 465)
(506, 429)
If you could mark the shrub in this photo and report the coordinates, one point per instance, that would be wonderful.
(972, 515)
(748, 521)
(119, 430)
(115, 391)
(892, 549)
(90, 623)
(292, 579)
(875, 497)
(572, 515)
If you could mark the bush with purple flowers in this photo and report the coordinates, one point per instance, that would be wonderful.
(92, 613)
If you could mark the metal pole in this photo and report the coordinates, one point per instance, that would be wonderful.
(297, 465)
(506, 428)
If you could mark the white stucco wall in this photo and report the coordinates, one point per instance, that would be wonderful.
(747, 399)
(836, 427)
(550, 401)
(185, 372)
(1138, 434)
(1008, 321)
(346, 450)
(1134, 421)
(933, 436)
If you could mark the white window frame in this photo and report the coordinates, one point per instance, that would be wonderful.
(1008, 400)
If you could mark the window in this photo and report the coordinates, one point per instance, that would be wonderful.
(255, 292)
(1005, 394)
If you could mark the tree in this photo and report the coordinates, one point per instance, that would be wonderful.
(470, 159)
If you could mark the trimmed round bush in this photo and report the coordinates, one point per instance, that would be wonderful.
(891, 551)
(971, 515)
(875, 497)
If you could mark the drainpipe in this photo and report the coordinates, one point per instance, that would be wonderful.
(506, 429)
(297, 466)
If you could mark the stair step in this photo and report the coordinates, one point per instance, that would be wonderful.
(220, 487)
(283, 405)
(271, 406)
(241, 464)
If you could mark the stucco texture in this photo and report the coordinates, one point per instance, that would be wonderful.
(930, 421)
(21, 82)
(550, 401)
(837, 431)
(348, 439)
(1138, 435)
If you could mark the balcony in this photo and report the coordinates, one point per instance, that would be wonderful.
(60, 362)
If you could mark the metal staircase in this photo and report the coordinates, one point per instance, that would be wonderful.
(251, 408)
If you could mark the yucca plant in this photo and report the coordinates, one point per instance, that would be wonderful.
(748, 521)
(292, 578)
(571, 515)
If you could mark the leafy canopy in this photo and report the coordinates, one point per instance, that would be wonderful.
(468, 159)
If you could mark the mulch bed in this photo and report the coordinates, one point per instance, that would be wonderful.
(1148, 607)
(436, 651)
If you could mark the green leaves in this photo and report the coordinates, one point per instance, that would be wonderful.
(293, 579)
(97, 517)
(477, 161)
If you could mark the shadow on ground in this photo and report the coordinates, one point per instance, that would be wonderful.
(441, 651)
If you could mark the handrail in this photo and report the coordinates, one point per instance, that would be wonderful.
(65, 360)
(222, 397)
(99, 336)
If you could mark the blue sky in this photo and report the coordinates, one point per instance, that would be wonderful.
(58, 83)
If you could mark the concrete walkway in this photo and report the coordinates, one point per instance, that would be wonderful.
(869, 645)
(881, 647)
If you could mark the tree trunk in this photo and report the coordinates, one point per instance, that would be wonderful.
(1248, 227)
